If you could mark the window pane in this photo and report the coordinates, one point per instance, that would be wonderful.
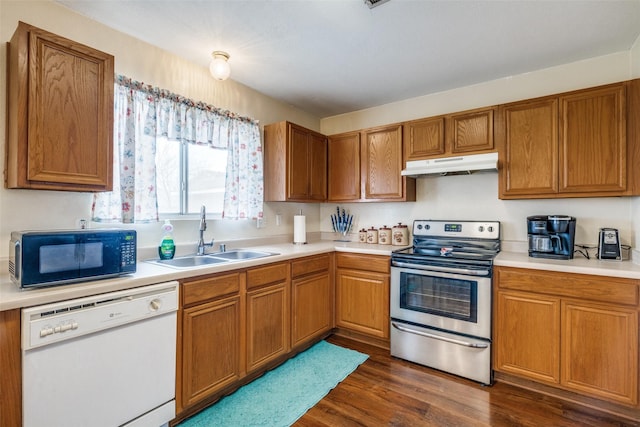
(206, 178)
(168, 175)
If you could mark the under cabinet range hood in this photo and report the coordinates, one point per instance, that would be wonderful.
(452, 165)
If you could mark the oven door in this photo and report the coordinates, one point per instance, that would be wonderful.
(447, 301)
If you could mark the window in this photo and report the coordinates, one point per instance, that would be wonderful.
(173, 155)
(189, 176)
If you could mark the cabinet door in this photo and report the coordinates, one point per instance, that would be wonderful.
(362, 302)
(527, 336)
(600, 351)
(317, 167)
(593, 147)
(470, 131)
(211, 348)
(528, 134)
(60, 113)
(298, 182)
(382, 163)
(344, 167)
(311, 303)
(11, 368)
(424, 138)
(268, 323)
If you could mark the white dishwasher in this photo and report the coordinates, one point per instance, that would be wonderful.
(106, 360)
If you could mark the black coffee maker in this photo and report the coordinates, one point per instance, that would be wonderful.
(551, 236)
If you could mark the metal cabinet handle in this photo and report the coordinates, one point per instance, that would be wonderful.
(438, 337)
(453, 270)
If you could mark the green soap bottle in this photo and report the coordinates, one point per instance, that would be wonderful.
(167, 248)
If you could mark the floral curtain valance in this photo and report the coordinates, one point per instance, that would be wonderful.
(143, 112)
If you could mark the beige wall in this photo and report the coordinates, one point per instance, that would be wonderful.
(33, 209)
(476, 196)
(471, 197)
(635, 212)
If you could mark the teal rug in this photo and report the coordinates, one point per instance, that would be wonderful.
(281, 396)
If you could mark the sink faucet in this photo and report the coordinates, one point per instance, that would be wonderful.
(203, 226)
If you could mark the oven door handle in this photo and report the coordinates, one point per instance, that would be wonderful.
(440, 269)
(438, 337)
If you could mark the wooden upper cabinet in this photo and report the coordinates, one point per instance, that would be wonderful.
(470, 131)
(344, 167)
(366, 166)
(317, 167)
(295, 164)
(466, 132)
(60, 113)
(571, 145)
(424, 138)
(530, 134)
(382, 162)
(593, 141)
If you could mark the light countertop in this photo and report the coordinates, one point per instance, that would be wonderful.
(147, 273)
(624, 269)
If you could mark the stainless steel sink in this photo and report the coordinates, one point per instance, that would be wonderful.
(192, 261)
(241, 254)
(189, 261)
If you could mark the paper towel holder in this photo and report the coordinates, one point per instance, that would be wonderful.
(299, 229)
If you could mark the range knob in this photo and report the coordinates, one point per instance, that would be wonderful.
(490, 229)
(481, 228)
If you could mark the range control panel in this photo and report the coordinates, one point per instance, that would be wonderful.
(457, 228)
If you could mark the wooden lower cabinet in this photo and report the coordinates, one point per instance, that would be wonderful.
(600, 350)
(10, 368)
(575, 332)
(268, 314)
(211, 337)
(362, 294)
(311, 299)
(528, 336)
(211, 358)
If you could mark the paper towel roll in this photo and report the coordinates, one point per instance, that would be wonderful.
(299, 229)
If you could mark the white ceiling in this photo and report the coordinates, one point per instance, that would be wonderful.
(334, 56)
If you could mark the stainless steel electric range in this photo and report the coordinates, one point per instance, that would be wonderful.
(441, 297)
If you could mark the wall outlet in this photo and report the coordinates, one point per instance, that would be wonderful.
(261, 222)
(81, 223)
(278, 219)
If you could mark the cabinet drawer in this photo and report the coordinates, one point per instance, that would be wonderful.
(379, 263)
(309, 265)
(582, 286)
(269, 274)
(207, 288)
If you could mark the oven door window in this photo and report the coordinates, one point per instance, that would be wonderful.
(441, 296)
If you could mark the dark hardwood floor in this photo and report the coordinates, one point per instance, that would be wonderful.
(385, 391)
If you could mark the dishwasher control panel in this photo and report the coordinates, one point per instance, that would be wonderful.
(63, 320)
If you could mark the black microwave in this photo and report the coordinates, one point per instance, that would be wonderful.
(51, 258)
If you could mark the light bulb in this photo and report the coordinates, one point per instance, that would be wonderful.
(219, 67)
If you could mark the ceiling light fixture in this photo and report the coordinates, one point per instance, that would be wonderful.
(374, 3)
(219, 66)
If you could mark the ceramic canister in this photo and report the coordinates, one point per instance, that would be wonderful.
(384, 235)
(400, 234)
(372, 235)
(362, 236)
